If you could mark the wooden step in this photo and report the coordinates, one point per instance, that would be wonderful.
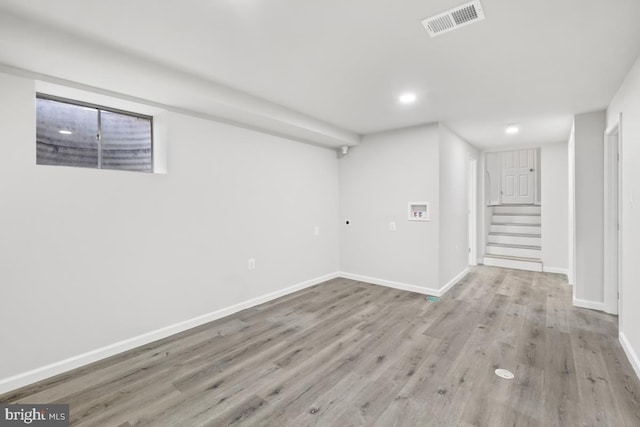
(515, 218)
(515, 238)
(526, 251)
(513, 227)
(530, 209)
(518, 263)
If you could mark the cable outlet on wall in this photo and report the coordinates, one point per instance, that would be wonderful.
(252, 264)
(392, 226)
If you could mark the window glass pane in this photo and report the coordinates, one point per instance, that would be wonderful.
(66, 134)
(126, 142)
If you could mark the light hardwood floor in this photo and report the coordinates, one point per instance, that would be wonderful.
(345, 353)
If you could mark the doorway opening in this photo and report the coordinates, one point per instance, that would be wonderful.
(513, 212)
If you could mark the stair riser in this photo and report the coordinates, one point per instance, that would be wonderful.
(516, 240)
(519, 219)
(517, 209)
(516, 229)
(509, 263)
(519, 252)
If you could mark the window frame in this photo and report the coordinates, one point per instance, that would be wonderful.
(100, 108)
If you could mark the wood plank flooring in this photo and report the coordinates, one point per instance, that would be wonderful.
(346, 353)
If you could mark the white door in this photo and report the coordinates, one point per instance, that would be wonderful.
(518, 177)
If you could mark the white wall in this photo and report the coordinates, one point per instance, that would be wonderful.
(493, 177)
(555, 191)
(377, 181)
(589, 208)
(454, 204)
(627, 102)
(91, 258)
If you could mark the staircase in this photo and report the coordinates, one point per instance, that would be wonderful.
(514, 239)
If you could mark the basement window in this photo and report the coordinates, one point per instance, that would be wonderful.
(77, 134)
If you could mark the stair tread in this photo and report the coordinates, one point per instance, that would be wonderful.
(499, 233)
(514, 258)
(519, 224)
(508, 245)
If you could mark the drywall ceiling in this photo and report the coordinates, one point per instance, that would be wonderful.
(345, 63)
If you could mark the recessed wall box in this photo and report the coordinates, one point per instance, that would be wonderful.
(419, 211)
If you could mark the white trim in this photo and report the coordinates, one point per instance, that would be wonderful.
(452, 282)
(557, 270)
(390, 284)
(593, 305)
(44, 372)
(480, 261)
(631, 355)
(405, 286)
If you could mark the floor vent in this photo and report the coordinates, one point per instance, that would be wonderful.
(504, 374)
(453, 19)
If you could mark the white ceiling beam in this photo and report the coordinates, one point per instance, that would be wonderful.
(41, 52)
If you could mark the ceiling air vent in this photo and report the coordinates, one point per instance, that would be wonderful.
(454, 18)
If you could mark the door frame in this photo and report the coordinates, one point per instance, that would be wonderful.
(472, 209)
(613, 217)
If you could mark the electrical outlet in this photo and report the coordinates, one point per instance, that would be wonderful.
(392, 226)
(252, 264)
(316, 230)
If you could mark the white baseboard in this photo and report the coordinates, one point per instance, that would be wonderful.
(557, 270)
(593, 305)
(631, 355)
(404, 286)
(453, 281)
(390, 284)
(39, 374)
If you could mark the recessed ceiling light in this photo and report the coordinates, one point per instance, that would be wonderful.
(65, 132)
(512, 129)
(408, 98)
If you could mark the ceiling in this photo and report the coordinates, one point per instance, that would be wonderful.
(533, 63)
